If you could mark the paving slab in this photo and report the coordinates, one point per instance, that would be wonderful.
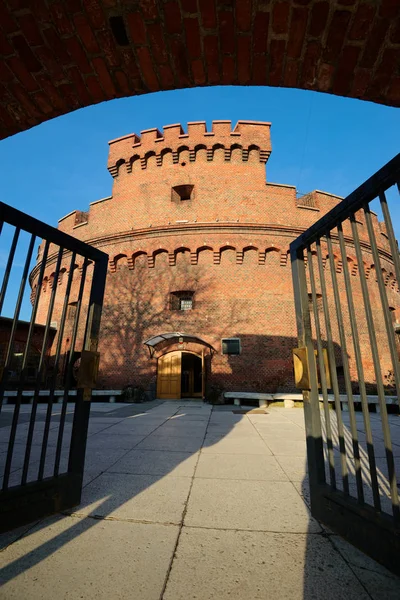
(68, 558)
(234, 433)
(131, 429)
(102, 457)
(155, 441)
(247, 531)
(189, 417)
(114, 440)
(286, 447)
(8, 538)
(239, 466)
(252, 505)
(182, 430)
(136, 497)
(378, 581)
(153, 462)
(247, 445)
(237, 565)
(287, 432)
(295, 467)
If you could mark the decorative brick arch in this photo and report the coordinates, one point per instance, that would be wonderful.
(66, 55)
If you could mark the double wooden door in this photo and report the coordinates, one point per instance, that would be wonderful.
(169, 375)
(180, 374)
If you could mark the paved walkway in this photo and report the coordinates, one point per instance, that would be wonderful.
(185, 501)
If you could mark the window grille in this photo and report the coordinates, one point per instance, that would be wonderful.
(182, 300)
(185, 303)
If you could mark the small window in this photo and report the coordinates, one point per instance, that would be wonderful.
(181, 300)
(179, 193)
(231, 346)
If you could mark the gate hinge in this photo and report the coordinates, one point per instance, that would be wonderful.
(88, 371)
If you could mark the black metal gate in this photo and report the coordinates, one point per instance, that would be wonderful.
(344, 309)
(43, 416)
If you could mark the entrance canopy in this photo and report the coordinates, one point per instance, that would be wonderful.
(173, 337)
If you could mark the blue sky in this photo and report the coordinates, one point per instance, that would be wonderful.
(319, 142)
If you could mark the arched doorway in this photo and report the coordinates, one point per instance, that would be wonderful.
(180, 375)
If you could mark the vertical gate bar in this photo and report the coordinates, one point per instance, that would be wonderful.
(69, 369)
(41, 368)
(8, 267)
(31, 332)
(378, 372)
(59, 342)
(18, 399)
(384, 299)
(390, 232)
(76, 461)
(346, 370)
(332, 362)
(50, 399)
(2, 296)
(360, 371)
(312, 417)
(322, 374)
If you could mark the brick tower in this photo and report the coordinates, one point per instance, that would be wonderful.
(199, 292)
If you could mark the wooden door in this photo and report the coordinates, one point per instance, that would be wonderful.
(169, 375)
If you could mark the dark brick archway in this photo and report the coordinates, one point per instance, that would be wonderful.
(65, 54)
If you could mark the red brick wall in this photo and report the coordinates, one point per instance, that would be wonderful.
(229, 245)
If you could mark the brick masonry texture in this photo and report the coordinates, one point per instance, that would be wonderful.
(228, 244)
(60, 56)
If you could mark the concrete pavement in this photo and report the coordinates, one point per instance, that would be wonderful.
(189, 501)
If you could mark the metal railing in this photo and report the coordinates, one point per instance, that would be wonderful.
(352, 490)
(51, 479)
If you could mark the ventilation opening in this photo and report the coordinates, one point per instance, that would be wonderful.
(179, 193)
(118, 29)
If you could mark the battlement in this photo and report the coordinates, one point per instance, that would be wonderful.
(247, 138)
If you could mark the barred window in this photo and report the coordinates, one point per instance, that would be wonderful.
(181, 300)
(186, 303)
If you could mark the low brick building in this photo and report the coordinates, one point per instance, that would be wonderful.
(199, 291)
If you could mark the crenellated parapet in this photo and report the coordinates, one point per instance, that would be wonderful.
(247, 139)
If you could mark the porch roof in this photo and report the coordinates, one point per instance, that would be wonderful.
(154, 341)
